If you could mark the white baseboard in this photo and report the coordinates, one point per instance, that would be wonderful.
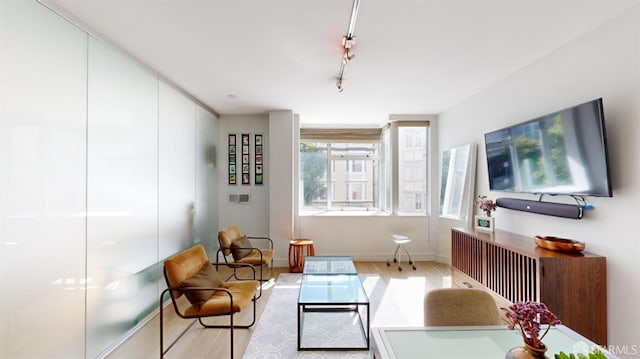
(444, 259)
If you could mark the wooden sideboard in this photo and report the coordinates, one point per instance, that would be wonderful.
(572, 285)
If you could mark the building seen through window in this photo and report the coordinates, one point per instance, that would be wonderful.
(412, 169)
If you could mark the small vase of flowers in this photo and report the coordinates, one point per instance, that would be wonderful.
(528, 317)
(486, 205)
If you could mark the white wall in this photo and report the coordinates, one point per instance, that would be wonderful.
(603, 63)
(367, 238)
(270, 211)
(281, 137)
(252, 218)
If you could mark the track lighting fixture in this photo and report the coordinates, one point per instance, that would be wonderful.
(347, 44)
(347, 57)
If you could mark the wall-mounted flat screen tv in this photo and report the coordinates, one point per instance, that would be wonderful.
(564, 152)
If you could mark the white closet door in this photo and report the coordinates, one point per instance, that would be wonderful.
(206, 218)
(177, 171)
(122, 203)
(42, 183)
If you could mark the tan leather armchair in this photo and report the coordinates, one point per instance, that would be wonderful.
(190, 273)
(460, 307)
(237, 248)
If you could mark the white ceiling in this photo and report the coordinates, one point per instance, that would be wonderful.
(412, 56)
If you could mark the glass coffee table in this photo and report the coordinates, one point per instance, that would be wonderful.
(329, 265)
(331, 296)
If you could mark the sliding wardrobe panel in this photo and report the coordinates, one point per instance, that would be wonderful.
(122, 196)
(206, 216)
(43, 68)
(177, 171)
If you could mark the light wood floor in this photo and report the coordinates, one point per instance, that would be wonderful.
(398, 286)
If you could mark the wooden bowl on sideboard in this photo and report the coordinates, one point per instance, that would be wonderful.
(559, 244)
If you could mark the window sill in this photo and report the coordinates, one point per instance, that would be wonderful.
(335, 213)
(453, 218)
(406, 214)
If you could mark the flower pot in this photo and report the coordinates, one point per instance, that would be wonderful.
(527, 352)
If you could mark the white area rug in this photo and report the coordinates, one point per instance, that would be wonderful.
(275, 335)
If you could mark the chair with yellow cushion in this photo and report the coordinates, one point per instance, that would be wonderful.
(190, 273)
(460, 307)
(237, 248)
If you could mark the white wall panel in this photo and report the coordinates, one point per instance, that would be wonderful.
(177, 171)
(206, 216)
(42, 183)
(280, 180)
(122, 195)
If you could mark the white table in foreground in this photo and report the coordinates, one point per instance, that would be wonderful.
(477, 342)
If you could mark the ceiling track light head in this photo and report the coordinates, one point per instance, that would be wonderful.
(339, 85)
(348, 41)
(347, 57)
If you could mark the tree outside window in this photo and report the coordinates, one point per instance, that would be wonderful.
(313, 167)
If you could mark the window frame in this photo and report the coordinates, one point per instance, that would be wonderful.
(387, 193)
(393, 129)
(331, 183)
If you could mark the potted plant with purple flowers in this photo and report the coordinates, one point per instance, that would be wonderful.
(486, 205)
(528, 317)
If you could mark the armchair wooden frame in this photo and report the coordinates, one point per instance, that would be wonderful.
(176, 292)
(259, 257)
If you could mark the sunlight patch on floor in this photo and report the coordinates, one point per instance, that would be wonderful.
(402, 303)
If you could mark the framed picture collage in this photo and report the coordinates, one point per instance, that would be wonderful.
(240, 159)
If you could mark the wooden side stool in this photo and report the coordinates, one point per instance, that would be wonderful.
(297, 249)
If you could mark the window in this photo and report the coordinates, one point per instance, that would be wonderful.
(419, 202)
(457, 182)
(353, 176)
(355, 166)
(370, 169)
(356, 191)
(412, 168)
(386, 203)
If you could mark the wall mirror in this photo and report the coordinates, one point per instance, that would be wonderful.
(458, 181)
